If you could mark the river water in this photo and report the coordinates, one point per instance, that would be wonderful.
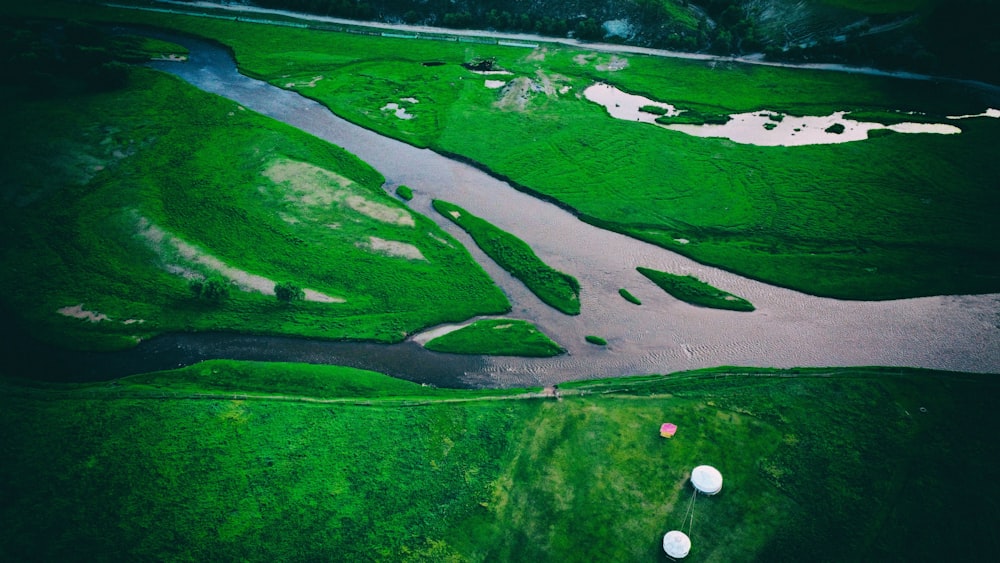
(788, 329)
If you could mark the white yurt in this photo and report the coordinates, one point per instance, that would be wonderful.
(676, 544)
(706, 479)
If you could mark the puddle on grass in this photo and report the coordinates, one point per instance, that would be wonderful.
(622, 105)
(990, 112)
(761, 128)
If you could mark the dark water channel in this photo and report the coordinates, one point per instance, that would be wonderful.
(788, 329)
(407, 360)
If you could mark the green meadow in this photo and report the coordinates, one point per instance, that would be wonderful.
(138, 206)
(116, 202)
(227, 460)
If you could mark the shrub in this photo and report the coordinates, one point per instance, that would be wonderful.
(288, 292)
(596, 340)
(215, 288)
(404, 192)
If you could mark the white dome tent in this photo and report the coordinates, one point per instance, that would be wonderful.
(706, 479)
(676, 544)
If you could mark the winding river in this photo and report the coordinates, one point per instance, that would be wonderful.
(788, 329)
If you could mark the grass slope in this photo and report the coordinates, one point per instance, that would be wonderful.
(557, 289)
(225, 479)
(896, 216)
(115, 200)
(497, 337)
(696, 292)
(827, 465)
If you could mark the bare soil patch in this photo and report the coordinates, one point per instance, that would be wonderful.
(395, 248)
(187, 260)
(78, 312)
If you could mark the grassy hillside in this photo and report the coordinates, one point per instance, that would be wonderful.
(197, 464)
(119, 203)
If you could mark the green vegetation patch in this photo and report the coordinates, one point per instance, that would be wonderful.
(628, 296)
(497, 337)
(404, 192)
(696, 292)
(830, 464)
(558, 290)
(596, 340)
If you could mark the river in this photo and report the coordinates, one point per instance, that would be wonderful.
(788, 329)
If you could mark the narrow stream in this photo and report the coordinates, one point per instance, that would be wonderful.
(788, 329)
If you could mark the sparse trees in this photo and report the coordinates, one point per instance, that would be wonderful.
(214, 288)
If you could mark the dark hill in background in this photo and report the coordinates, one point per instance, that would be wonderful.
(949, 37)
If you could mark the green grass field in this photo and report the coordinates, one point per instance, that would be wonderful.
(696, 292)
(223, 460)
(116, 201)
(497, 337)
(557, 289)
(894, 216)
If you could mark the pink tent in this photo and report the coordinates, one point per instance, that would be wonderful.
(667, 429)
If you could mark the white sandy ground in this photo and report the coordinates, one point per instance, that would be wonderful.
(663, 335)
(394, 248)
(312, 187)
(79, 312)
(310, 84)
(399, 111)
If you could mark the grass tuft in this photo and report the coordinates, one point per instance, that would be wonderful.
(497, 337)
(696, 292)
